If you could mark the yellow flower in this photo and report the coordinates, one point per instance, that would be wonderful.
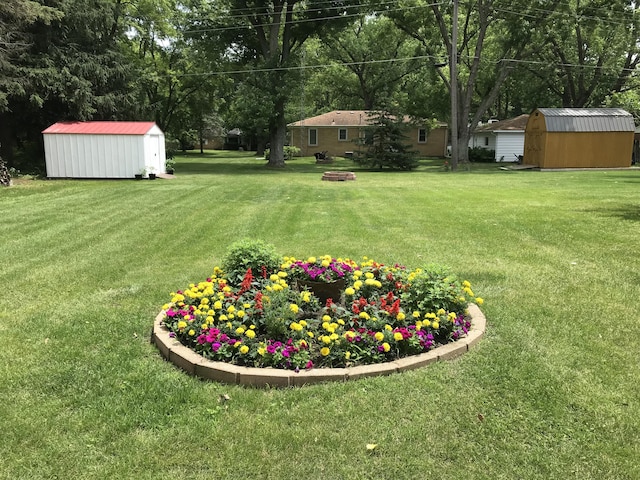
(364, 315)
(182, 324)
(435, 325)
(244, 349)
(192, 332)
(294, 308)
(401, 316)
(250, 334)
(326, 339)
(261, 351)
(347, 355)
(350, 291)
(442, 311)
(217, 305)
(416, 314)
(324, 351)
(388, 327)
(303, 344)
(466, 284)
(334, 336)
(237, 344)
(241, 313)
(303, 323)
(326, 318)
(368, 275)
(311, 260)
(357, 284)
(386, 347)
(306, 297)
(310, 334)
(325, 263)
(479, 301)
(282, 274)
(209, 319)
(397, 336)
(295, 326)
(231, 309)
(379, 336)
(223, 318)
(274, 278)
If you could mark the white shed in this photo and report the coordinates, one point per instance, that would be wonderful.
(103, 149)
(506, 137)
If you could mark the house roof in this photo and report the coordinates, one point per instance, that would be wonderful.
(512, 124)
(340, 118)
(587, 120)
(100, 128)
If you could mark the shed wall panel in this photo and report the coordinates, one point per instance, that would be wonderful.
(509, 145)
(588, 150)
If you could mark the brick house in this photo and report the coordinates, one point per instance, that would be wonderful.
(337, 133)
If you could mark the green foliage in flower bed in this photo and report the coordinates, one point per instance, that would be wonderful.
(268, 319)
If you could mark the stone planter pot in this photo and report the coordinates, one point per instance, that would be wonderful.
(324, 290)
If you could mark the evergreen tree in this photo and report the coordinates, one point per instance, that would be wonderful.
(385, 143)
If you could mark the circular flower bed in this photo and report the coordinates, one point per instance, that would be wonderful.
(377, 313)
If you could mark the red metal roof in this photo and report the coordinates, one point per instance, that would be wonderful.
(101, 128)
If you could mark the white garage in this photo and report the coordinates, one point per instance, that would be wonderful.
(103, 149)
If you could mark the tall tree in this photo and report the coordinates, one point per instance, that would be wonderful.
(16, 19)
(377, 54)
(509, 24)
(265, 36)
(592, 51)
(72, 68)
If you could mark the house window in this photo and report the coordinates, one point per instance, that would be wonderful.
(422, 135)
(313, 136)
(342, 134)
(486, 141)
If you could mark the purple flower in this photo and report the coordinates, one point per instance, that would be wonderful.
(215, 346)
(172, 335)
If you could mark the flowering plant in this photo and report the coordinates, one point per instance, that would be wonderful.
(385, 313)
(319, 269)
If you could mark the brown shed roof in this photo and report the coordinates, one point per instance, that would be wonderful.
(517, 123)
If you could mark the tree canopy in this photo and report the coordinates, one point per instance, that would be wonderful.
(197, 66)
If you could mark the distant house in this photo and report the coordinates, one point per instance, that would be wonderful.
(505, 137)
(579, 138)
(103, 149)
(339, 131)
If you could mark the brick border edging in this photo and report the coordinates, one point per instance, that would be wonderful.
(195, 364)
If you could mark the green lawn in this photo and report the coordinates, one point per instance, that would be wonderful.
(551, 392)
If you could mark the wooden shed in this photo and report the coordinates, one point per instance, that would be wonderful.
(103, 149)
(579, 138)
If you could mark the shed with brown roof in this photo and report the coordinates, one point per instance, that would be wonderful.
(505, 137)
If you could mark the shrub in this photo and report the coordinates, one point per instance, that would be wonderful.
(253, 254)
(289, 152)
(482, 155)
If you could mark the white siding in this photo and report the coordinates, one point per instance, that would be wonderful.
(508, 146)
(480, 139)
(103, 156)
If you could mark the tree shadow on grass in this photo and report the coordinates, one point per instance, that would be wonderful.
(630, 212)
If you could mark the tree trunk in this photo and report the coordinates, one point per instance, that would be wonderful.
(277, 136)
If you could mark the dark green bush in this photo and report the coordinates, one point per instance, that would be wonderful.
(254, 254)
(482, 155)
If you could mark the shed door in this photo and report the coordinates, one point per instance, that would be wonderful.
(154, 153)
